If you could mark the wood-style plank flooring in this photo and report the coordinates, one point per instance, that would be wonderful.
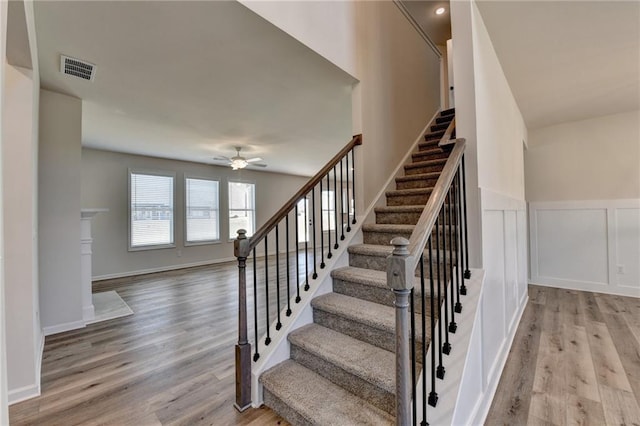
(172, 362)
(575, 360)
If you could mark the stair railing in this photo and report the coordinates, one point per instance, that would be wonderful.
(318, 197)
(429, 270)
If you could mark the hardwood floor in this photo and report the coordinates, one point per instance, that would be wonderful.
(172, 362)
(575, 360)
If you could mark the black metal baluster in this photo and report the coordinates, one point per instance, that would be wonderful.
(463, 287)
(288, 313)
(467, 272)
(456, 220)
(348, 198)
(278, 324)
(341, 203)
(306, 244)
(353, 186)
(440, 370)
(452, 325)
(256, 355)
(446, 347)
(335, 207)
(423, 305)
(297, 259)
(413, 355)
(322, 265)
(313, 219)
(329, 255)
(433, 396)
(266, 286)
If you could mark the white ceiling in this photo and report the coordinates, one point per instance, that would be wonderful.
(191, 80)
(567, 60)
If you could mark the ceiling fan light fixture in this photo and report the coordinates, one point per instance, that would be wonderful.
(238, 163)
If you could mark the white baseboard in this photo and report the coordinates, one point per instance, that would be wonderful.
(161, 269)
(23, 393)
(481, 410)
(61, 328)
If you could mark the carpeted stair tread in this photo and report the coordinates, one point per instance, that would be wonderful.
(363, 360)
(420, 176)
(433, 153)
(372, 314)
(408, 192)
(447, 112)
(434, 136)
(375, 250)
(387, 228)
(361, 276)
(446, 119)
(425, 163)
(315, 400)
(399, 209)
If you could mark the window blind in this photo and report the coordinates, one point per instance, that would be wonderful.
(202, 210)
(241, 208)
(151, 209)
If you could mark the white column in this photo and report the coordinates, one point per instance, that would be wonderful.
(86, 242)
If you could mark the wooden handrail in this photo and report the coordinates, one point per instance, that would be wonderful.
(243, 250)
(446, 138)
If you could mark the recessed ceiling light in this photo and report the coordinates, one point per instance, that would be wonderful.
(440, 10)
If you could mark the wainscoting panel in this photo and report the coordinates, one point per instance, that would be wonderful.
(586, 245)
(504, 296)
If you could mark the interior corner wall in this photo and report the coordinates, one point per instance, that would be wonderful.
(4, 411)
(399, 88)
(592, 159)
(398, 73)
(105, 185)
(465, 104)
(59, 167)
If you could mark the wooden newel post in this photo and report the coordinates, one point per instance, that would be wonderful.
(400, 280)
(243, 348)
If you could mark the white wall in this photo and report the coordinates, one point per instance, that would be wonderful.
(105, 183)
(24, 337)
(59, 212)
(488, 116)
(4, 412)
(324, 26)
(586, 245)
(593, 159)
(465, 101)
(398, 73)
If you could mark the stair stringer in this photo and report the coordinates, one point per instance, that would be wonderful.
(279, 349)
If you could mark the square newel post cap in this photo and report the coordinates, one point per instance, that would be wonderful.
(241, 244)
(400, 266)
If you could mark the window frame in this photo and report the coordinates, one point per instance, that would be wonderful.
(150, 172)
(229, 209)
(331, 213)
(186, 242)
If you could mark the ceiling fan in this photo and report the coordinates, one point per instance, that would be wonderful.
(240, 162)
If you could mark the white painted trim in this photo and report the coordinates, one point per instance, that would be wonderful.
(23, 393)
(493, 201)
(39, 356)
(162, 269)
(481, 410)
(610, 207)
(455, 363)
(61, 328)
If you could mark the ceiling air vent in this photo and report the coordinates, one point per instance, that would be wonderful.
(77, 68)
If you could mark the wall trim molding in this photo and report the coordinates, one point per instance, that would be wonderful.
(162, 269)
(570, 278)
(23, 393)
(61, 328)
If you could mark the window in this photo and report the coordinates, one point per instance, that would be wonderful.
(151, 210)
(201, 210)
(242, 208)
(302, 221)
(328, 211)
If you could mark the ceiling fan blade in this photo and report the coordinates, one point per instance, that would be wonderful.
(221, 158)
(253, 160)
(256, 165)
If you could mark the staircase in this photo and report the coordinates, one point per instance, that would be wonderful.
(342, 366)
